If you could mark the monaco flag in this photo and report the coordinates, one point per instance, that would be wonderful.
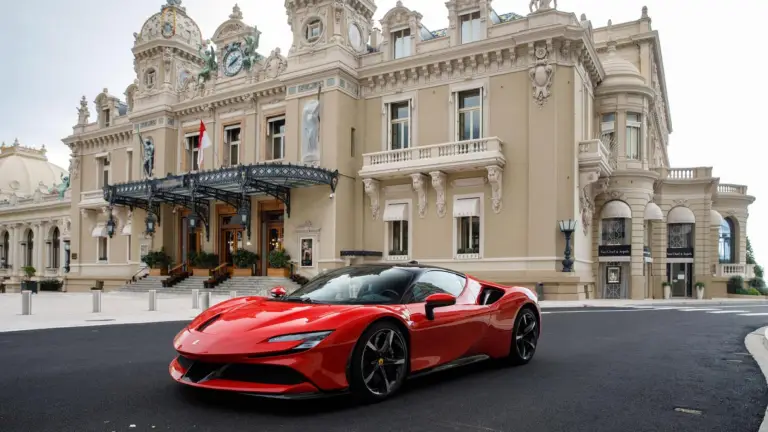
(203, 143)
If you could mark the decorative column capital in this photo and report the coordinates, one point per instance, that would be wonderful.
(420, 187)
(372, 190)
(495, 179)
(438, 183)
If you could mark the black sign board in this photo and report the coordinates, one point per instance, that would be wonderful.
(646, 251)
(614, 251)
(679, 252)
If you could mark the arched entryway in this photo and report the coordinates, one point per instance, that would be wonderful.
(54, 253)
(614, 250)
(726, 248)
(680, 251)
(5, 254)
(29, 248)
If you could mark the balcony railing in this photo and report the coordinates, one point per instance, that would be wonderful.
(688, 173)
(732, 189)
(448, 157)
(594, 154)
(94, 198)
(747, 271)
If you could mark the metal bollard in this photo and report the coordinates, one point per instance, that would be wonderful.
(96, 301)
(206, 300)
(153, 300)
(233, 294)
(195, 299)
(540, 290)
(26, 302)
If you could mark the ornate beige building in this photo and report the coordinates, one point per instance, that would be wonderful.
(464, 147)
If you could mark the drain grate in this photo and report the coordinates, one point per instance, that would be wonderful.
(688, 411)
(100, 320)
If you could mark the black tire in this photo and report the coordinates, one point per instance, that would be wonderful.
(525, 339)
(369, 368)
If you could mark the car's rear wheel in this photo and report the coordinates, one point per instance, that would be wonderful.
(525, 337)
(379, 362)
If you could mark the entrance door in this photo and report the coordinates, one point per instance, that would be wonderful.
(681, 276)
(231, 242)
(274, 238)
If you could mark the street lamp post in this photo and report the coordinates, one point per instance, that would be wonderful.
(150, 222)
(567, 227)
(111, 224)
(192, 221)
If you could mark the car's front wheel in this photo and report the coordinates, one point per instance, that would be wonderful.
(379, 362)
(525, 337)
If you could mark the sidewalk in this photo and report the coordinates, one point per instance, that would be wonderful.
(58, 310)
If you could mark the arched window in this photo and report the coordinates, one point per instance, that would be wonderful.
(726, 243)
(30, 243)
(55, 249)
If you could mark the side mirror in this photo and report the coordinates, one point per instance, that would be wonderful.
(436, 301)
(278, 292)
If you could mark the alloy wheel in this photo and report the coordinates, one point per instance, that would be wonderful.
(527, 335)
(383, 362)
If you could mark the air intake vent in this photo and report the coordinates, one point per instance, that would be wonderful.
(207, 323)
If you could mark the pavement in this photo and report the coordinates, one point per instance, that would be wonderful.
(598, 369)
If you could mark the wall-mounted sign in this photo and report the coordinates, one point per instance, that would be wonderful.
(613, 275)
(614, 250)
(646, 252)
(679, 252)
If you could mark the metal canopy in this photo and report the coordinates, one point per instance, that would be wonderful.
(232, 185)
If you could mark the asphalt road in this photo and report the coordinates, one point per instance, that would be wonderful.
(596, 370)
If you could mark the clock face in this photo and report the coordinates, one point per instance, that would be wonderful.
(233, 62)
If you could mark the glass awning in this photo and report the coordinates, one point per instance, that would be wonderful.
(232, 185)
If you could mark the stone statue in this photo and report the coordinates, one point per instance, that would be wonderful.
(541, 5)
(250, 54)
(310, 135)
(209, 58)
(149, 157)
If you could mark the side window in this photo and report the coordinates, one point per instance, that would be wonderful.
(434, 282)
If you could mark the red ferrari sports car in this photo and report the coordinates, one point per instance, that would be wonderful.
(360, 329)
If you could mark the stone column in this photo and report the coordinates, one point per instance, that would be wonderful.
(39, 248)
(637, 202)
(16, 258)
(659, 254)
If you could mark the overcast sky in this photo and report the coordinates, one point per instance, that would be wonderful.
(57, 51)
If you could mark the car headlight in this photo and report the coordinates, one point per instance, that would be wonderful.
(309, 340)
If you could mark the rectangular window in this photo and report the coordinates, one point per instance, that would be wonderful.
(469, 115)
(106, 117)
(193, 149)
(276, 138)
(231, 145)
(468, 230)
(398, 238)
(402, 43)
(103, 171)
(314, 29)
(352, 142)
(586, 115)
(400, 125)
(102, 249)
(634, 124)
(608, 131)
(128, 238)
(470, 27)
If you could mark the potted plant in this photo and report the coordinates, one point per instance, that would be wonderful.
(244, 261)
(28, 284)
(699, 290)
(667, 290)
(203, 262)
(158, 262)
(278, 263)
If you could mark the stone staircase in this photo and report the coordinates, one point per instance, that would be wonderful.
(243, 285)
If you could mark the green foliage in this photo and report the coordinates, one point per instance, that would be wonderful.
(157, 259)
(244, 258)
(279, 259)
(735, 284)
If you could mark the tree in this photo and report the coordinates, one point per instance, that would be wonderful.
(751, 260)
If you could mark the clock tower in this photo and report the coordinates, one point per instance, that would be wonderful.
(236, 44)
(326, 31)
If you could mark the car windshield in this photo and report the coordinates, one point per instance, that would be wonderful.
(356, 285)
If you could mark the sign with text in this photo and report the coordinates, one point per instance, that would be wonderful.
(614, 250)
(679, 252)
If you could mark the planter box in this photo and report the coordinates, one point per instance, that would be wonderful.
(158, 272)
(241, 272)
(278, 272)
(200, 271)
(29, 286)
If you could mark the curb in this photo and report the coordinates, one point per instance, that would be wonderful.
(757, 345)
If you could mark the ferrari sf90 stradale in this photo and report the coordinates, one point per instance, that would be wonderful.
(360, 329)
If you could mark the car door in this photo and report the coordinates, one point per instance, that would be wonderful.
(454, 331)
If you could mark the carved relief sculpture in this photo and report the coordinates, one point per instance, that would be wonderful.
(83, 113)
(438, 182)
(495, 179)
(74, 166)
(310, 135)
(420, 187)
(275, 64)
(541, 74)
(148, 148)
(210, 64)
(251, 57)
(372, 190)
(587, 192)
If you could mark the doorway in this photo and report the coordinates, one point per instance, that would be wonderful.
(273, 235)
(680, 278)
(231, 242)
(191, 240)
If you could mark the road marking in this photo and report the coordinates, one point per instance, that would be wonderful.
(688, 411)
(702, 309)
(755, 314)
(728, 311)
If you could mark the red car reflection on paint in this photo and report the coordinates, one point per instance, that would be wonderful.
(360, 329)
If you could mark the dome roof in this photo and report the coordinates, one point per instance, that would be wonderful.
(25, 170)
(171, 23)
(618, 71)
